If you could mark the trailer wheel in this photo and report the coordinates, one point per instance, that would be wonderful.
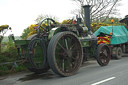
(65, 53)
(118, 53)
(103, 54)
(126, 50)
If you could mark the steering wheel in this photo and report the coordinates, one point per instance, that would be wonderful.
(46, 24)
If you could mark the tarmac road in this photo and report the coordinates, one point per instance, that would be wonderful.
(116, 73)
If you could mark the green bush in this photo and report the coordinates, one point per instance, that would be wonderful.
(10, 68)
(3, 70)
(9, 54)
(19, 68)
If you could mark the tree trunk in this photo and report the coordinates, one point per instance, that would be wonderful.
(1, 38)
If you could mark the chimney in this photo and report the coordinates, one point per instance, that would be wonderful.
(87, 17)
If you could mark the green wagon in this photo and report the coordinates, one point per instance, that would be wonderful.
(118, 39)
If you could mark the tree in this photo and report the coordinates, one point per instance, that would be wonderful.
(96, 26)
(98, 9)
(3, 30)
(116, 21)
(41, 17)
(32, 28)
(68, 21)
(25, 33)
(1, 38)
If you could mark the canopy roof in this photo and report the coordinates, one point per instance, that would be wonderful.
(119, 36)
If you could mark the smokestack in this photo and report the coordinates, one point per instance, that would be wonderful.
(87, 16)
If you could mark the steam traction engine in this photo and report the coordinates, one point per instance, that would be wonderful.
(62, 48)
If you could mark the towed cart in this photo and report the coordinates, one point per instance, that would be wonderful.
(116, 37)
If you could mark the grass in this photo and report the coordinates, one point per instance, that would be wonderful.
(10, 68)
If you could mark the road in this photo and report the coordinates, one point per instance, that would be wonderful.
(116, 73)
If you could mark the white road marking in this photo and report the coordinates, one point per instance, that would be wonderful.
(103, 81)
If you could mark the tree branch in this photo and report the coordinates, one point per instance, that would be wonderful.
(110, 10)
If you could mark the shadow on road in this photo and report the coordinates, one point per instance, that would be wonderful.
(47, 75)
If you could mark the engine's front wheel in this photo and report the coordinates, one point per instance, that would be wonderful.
(103, 54)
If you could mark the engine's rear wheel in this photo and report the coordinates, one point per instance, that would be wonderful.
(103, 54)
(37, 55)
(31, 61)
(65, 53)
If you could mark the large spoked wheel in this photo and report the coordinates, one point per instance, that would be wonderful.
(37, 56)
(65, 53)
(103, 54)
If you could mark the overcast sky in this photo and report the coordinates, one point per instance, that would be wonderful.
(19, 14)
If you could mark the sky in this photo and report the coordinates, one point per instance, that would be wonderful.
(19, 14)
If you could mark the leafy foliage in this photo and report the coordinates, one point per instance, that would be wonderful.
(33, 29)
(9, 54)
(3, 27)
(68, 21)
(25, 33)
(107, 22)
(116, 21)
(41, 17)
(9, 68)
(96, 26)
(3, 30)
